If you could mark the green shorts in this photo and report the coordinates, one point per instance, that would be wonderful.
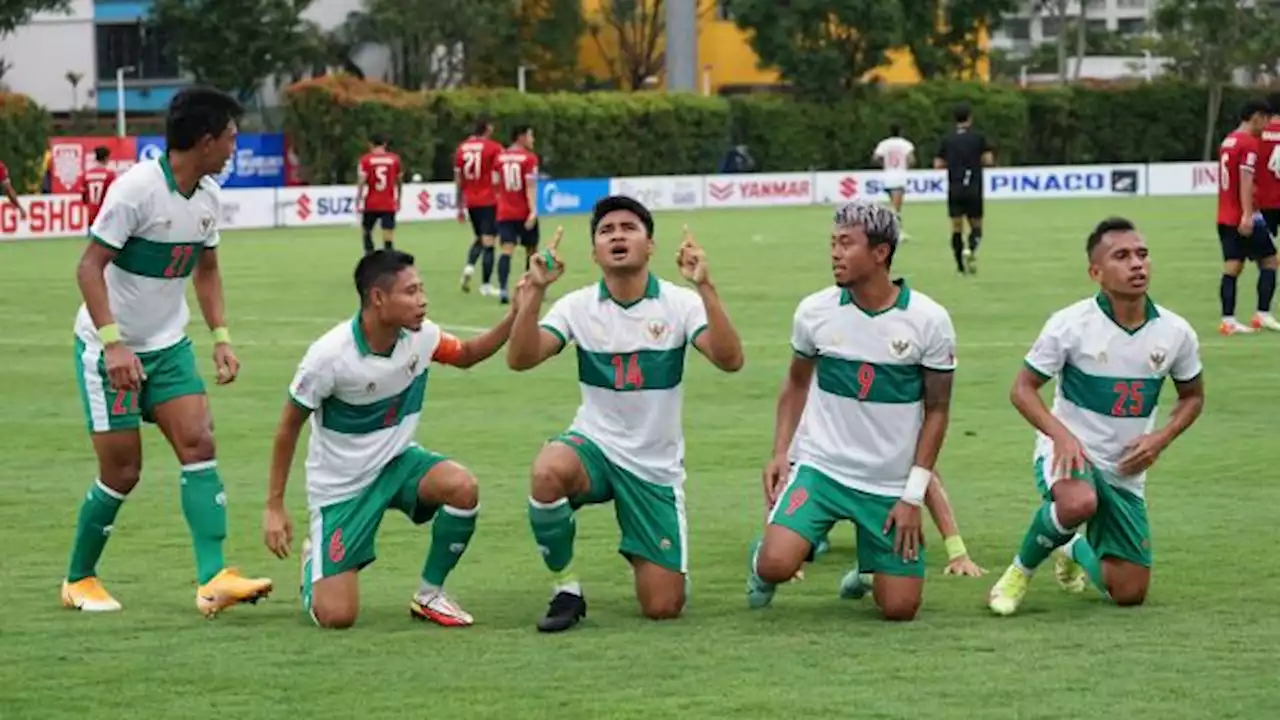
(344, 534)
(170, 373)
(651, 517)
(1119, 528)
(812, 502)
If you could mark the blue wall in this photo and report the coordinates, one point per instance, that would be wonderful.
(156, 98)
(120, 10)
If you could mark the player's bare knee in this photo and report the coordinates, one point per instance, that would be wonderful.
(776, 566)
(1270, 262)
(666, 606)
(552, 473)
(900, 608)
(1233, 268)
(1075, 501)
(464, 490)
(1129, 596)
(334, 616)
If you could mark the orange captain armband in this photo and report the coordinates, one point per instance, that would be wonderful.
(449, 350)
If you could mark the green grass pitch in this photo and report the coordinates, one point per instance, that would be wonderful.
(1204, 645)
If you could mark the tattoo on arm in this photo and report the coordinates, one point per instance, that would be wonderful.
(937, 390)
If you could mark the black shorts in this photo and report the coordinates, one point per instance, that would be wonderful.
(1273, 220)
(965, 205)
(484, 220)
(1235, 247)
(514, 231)
(370, 219)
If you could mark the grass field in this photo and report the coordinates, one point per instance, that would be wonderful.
(1203, 647)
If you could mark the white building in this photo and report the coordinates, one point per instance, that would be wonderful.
(1027, 28)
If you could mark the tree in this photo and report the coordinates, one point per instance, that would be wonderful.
(1056, 10)
(16, 13)
(943, 36)
(434, 43)
(548, 36)
(821, 46)
(233, 44)
(630, 35)
(1208, 40)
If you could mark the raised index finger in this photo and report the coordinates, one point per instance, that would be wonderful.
(555, 239)
(686, 237)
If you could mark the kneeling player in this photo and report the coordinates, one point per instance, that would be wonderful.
(626, 444)
(880, 359)
(1110, 353)
(363, 384)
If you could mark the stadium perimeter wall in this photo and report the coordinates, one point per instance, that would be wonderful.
(53, 216)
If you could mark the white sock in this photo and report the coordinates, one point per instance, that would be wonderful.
(1017, 562)
(573, 587)
(426, 588)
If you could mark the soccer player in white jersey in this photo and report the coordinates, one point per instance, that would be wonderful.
(867, 401)
(626, 443)
(1110, 354)
(363, 385)
(896, 155)
(157, 227)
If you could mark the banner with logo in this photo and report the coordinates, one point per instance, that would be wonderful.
(336, 204)
(563, 197)
(668, 192)
(1066, 181)
(71, 156)
(47, 216)
(248, 209)
(841, 187)
(764, 190)
(259, 159)
(1192, 178)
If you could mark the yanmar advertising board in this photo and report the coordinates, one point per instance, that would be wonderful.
(764, 190)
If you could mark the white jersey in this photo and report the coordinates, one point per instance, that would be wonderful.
(630, 369)
(865, 409)
(158, 234)
(1109, 378)
(365, 406)
(893, 153)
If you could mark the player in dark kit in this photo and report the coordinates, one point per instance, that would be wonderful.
(964, 152)
(95, 181)
(1241, 235)
(473, 174)
(517, 204)
(378, 194)
(1267, 198)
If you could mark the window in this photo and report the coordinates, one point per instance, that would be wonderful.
(1131, 26)
(722, 10)
(134, 44)
(1019, 28)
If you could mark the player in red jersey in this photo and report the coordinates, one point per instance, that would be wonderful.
(1267, 196)
(1242, 235)
(473, 174)
(95, 181)
(517, 204)
(9, 192)
(378, 194)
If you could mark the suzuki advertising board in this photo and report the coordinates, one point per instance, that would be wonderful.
(764, 190)
(336, 204)
(666, 192)
(259, 159)
(840, 187)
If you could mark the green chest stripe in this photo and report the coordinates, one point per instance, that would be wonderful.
(349, 419)
(1111, 396)
(627, 372)
(149, 258)
(870, 382)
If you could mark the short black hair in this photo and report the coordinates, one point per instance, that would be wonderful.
(377, 269)
(621, 202)
(519, 131)
(895, 130)
(196, 112)
(378, 139)
(961, 112)
(1253, 106)
(1110, 225)
(101, 153)
(482, 124)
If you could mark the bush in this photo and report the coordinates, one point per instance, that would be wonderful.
(24, 138)
(604, 134)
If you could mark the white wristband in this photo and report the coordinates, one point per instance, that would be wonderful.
(917, 485)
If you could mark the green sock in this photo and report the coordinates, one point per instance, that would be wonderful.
(93, 528)
(1082, 552)
(1041, 539)
(204, 504)
(553, 529)
(450, 532)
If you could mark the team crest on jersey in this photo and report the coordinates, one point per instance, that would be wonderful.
(899, 348)
(656, 329)
(1157, 357)
(413, 364)
(206, 224)
(371, 388)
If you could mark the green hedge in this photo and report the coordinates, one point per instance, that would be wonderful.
(24, 137)
(611, 134)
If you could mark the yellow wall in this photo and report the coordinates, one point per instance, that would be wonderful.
(723, 46)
